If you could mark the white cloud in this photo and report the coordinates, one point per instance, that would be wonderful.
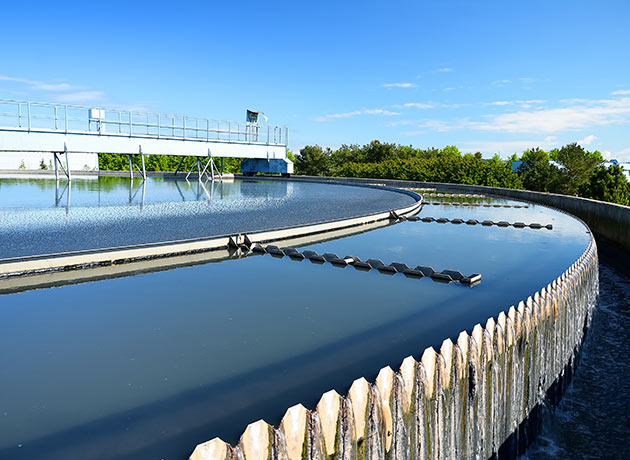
(61, 92)
(594, 113)
(399, 85)
(80, 96)
(577, 116)
(506, 147)
(40, 85)
(587, 140)
(412, 133)
(621, 92)
(501, 82)
(435, 125)
(623, 155)
(336, 116)
(418, 105)
(527, 80)
(445, 69)
(524, 104)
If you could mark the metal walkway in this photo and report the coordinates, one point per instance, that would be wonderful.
(63, 129)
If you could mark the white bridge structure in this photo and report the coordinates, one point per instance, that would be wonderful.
(62, 130)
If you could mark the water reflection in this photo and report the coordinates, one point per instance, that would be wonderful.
(41, 216)
(20, 191)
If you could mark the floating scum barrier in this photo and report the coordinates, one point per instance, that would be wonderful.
(473, 399)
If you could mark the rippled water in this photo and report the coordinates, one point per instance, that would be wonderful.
(114, 211)
(593, 419)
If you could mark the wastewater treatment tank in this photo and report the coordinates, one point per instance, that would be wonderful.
(147, 353)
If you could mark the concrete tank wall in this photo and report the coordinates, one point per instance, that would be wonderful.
(30, 161)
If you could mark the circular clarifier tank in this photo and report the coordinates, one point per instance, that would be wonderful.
(149, 364)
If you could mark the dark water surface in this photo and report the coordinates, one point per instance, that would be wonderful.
(593, 419)
(148, 366)
(37, 216)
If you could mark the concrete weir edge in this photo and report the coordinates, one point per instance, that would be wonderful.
(472, 399)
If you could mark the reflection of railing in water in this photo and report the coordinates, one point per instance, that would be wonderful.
(201, 190)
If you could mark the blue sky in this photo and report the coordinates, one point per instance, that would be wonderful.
(488, 76)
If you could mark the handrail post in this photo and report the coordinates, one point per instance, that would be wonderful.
(66, 118)
(28, 108)
(158, 133)
(55, 117)
(19, 114)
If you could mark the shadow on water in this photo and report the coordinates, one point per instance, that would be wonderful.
(593, 419)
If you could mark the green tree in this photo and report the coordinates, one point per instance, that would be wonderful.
(375, 152)
(537, 173)
(577, 167)
(450, 151)
(607, 184)
(313, 161)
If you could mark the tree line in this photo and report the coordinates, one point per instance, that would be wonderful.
(570, 170)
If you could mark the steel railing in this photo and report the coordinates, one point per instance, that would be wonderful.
(73, 119)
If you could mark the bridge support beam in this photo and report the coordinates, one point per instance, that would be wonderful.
(132, 163)
(203, 169)
(58, 163)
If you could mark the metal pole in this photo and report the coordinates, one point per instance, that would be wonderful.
(69, 174)
(212, 165)
(19, 114)
(144, 171)
(55, 159)
(180, 163)
(130, 168)
(66, 118)
(28, 108)
(130, 130)
(69, 185)
(55, 117)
